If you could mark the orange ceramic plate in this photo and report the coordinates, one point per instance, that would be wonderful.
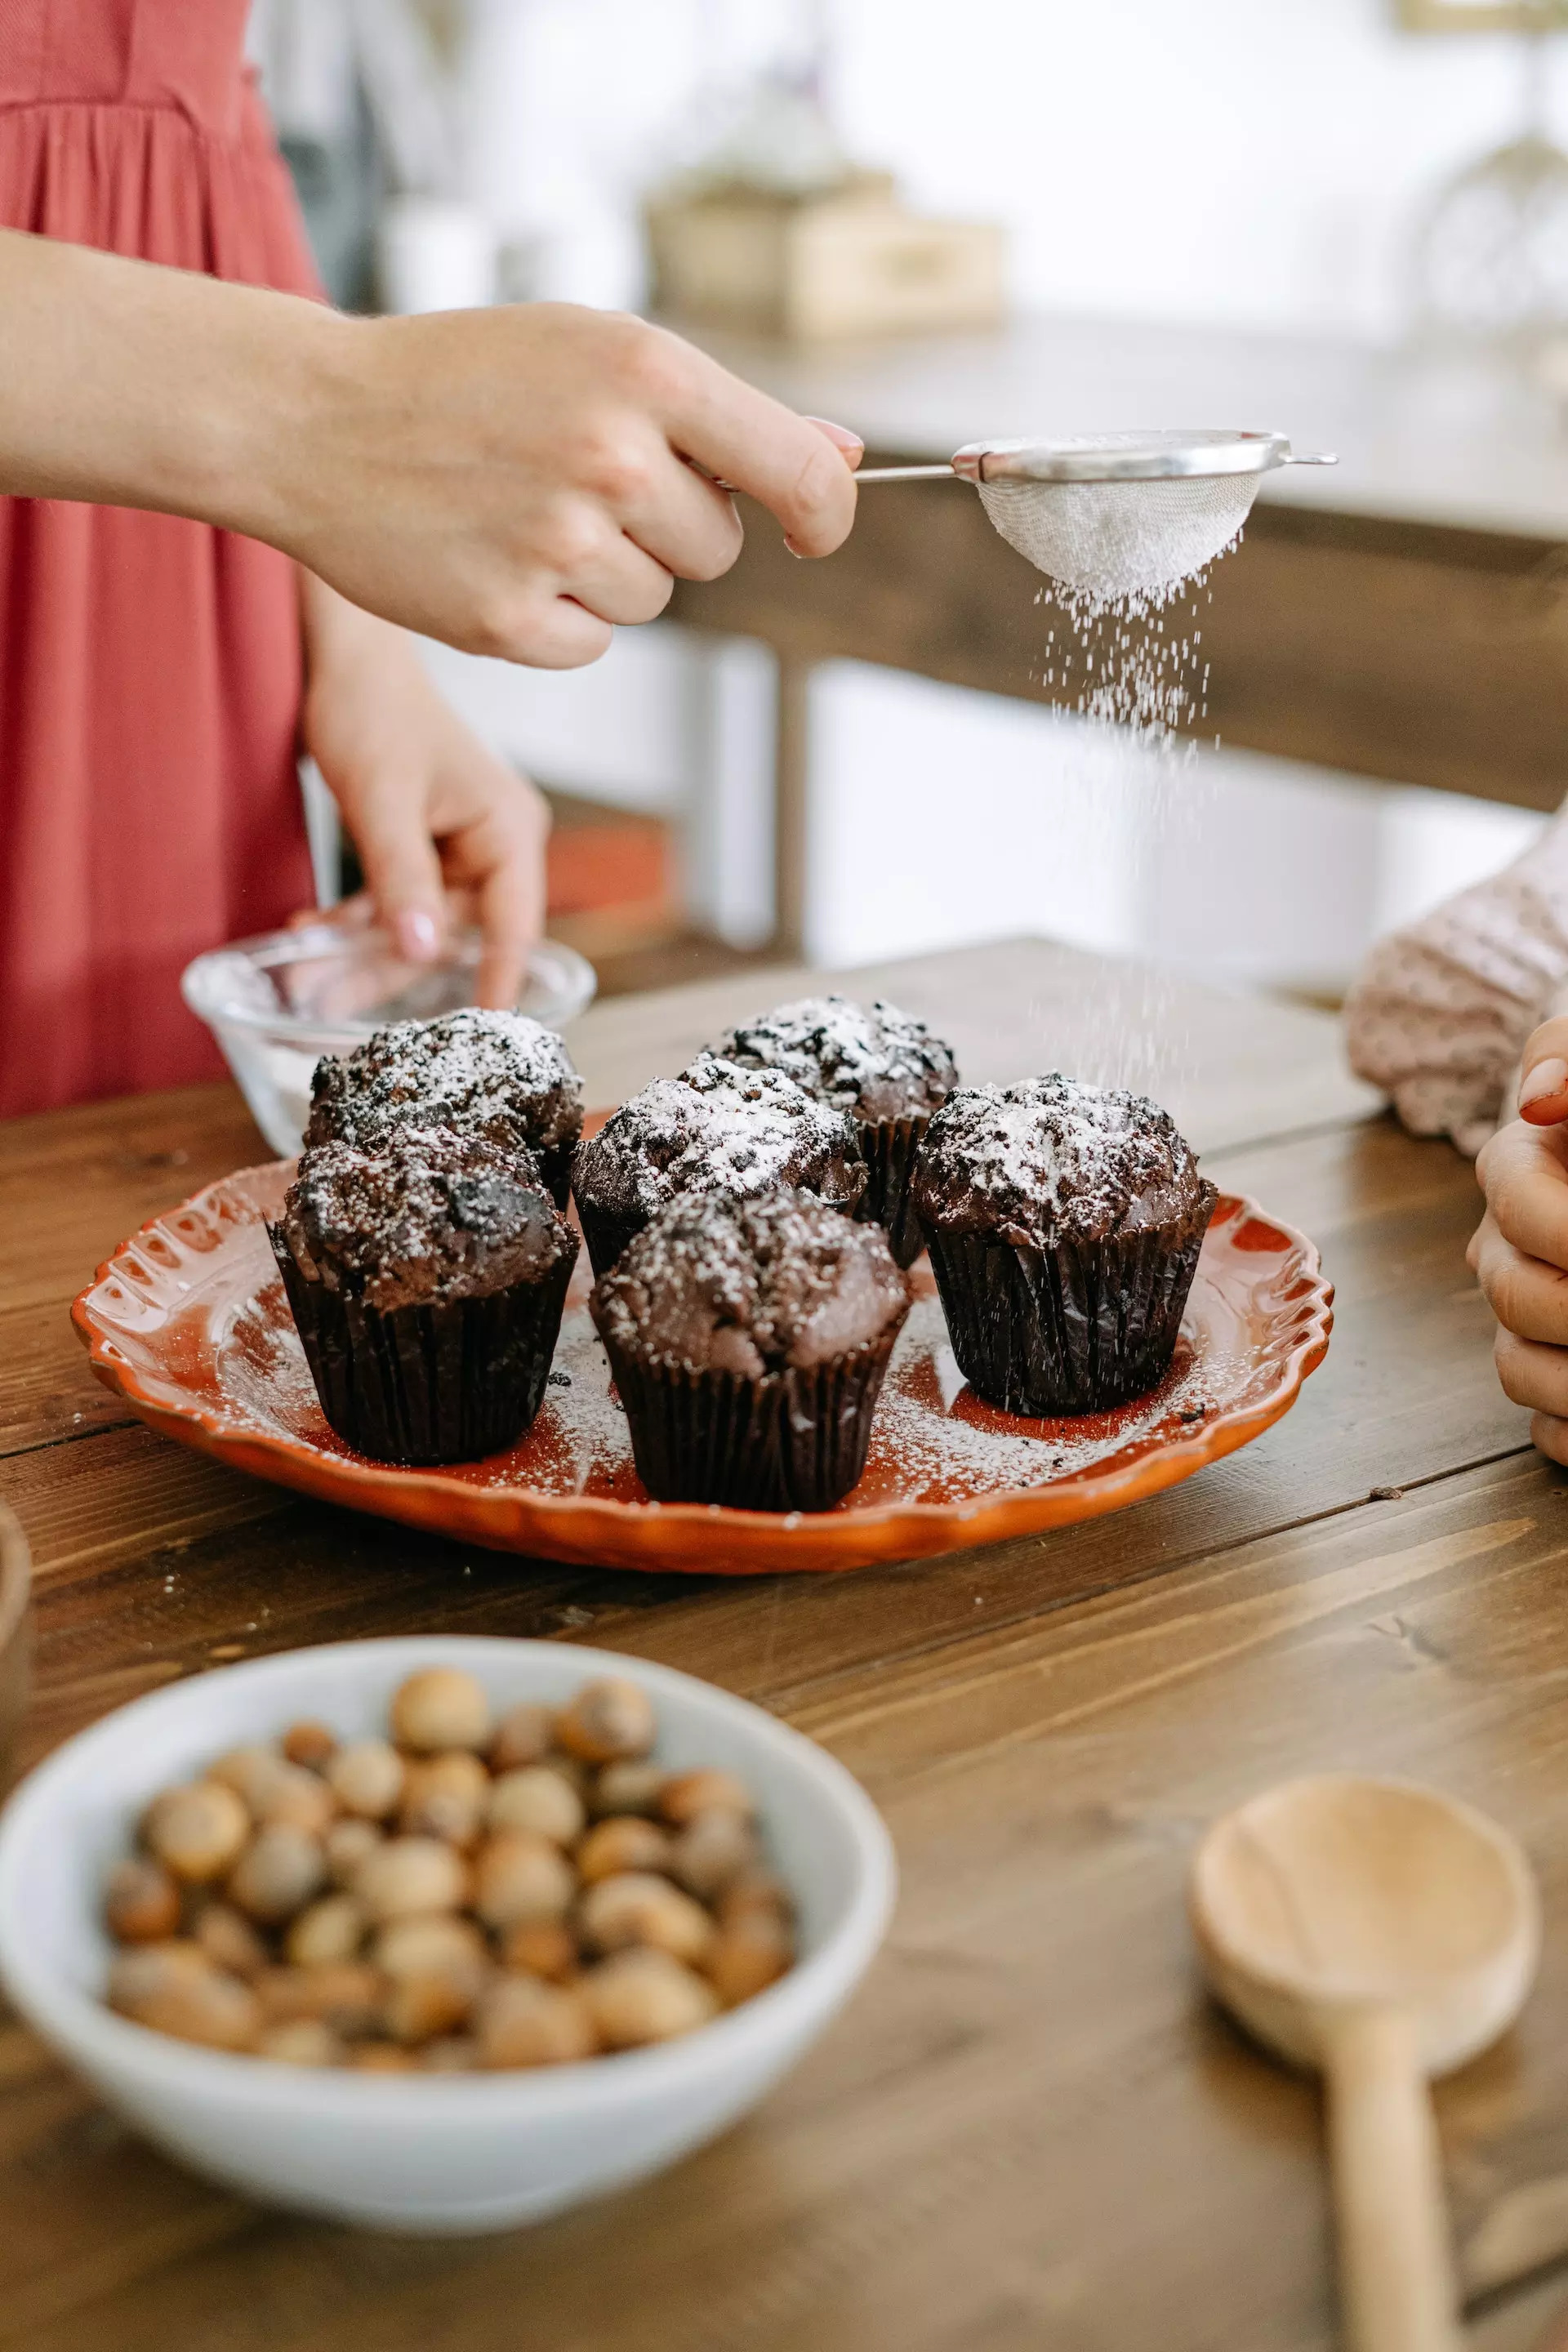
(188, 1321)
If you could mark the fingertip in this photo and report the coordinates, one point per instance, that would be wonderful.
(843, 438)
(1544, 1091)
(417, 933)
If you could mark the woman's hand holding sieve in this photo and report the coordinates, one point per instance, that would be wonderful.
(513, 480)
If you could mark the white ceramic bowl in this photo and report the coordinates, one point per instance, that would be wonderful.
(434, 2153)
(276, 1004)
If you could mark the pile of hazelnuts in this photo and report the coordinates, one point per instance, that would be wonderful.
(473, 1892)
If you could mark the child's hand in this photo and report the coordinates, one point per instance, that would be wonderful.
(1519, 1252)
(446, 833)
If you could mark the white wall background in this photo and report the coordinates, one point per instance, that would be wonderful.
(1259, 163)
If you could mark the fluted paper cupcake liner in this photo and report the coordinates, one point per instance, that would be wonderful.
(791, 1440)
(891, 1147)
(1076, 1328)
(556, 1167)
(607, 1233)
(445, 1380)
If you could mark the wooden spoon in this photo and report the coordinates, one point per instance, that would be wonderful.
(1381, 1933)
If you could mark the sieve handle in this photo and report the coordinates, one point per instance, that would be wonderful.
(908, 474)
(1329, 458)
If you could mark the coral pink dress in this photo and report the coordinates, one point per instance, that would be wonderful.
(150, 667)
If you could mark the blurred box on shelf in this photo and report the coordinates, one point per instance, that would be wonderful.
(850, 262)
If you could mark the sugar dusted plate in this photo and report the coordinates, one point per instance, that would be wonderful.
(188, 1321)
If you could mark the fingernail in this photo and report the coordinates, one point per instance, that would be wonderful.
(418, 935)
(791, 549)
(838, 434)
(1547, 1078)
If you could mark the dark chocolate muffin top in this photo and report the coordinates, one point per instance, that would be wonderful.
(717, 1128)
(433, 1216)
(1053, 1159)
(499, 1075)
(716, 1284)
(875, 1063)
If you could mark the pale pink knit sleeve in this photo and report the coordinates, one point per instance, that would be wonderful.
(1440, 1011)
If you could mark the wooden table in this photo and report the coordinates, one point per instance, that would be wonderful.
(1400, 617)
(1029, 2129)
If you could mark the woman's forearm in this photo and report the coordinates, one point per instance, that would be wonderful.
(132, 385)
(515, 480)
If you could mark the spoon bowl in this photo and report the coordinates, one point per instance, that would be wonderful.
(1334, 1893)
(1381, 1933)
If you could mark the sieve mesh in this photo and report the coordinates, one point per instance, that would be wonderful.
(1121, 539)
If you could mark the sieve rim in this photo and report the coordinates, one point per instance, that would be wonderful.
(1165, 455)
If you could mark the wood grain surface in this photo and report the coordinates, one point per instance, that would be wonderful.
(1029, 2128)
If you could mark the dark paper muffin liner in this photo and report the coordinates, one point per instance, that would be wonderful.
(556, 1167)
(1076, 1328)
(891, 1147)
(792, 1440)
(446, 1381)
(606, 1233)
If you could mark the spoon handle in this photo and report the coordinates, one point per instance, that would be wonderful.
(1396, 2270)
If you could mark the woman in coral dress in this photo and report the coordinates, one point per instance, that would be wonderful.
(189, 466)
(152, 667)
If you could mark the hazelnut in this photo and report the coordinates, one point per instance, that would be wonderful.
(404, 1874)
(431, 1943)
(605, 1720)
(310, 1744)
(638, 1908)
(519, 2022)
(521, 1736)
(646, 1996)
(706, 1791)
(519, 1876)
(534, 1798)
(229, 1940)
(625, 1841)
(545, 1947)
(441, 1706)
(454, 2054)
(196, 1831)
(745, 1957)
(141, 1905)
(382, 2058)
(346, 1844)
(445, 1797)
(712, 1849)
(276, 1874)
(251, 1772)
(300, 1799)
(366, 1778)
(175, 1988)
(755, 1890)
(343, 1994)
(420, 2007)
(632, 1786)
(330, 1929)
(304, 2042)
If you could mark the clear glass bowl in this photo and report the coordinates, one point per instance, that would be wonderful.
(277, 1004)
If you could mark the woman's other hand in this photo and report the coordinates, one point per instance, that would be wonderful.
(1519, 1251)
(446, 833)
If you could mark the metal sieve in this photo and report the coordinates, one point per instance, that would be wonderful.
(1115, 514)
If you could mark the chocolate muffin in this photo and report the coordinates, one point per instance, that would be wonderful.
(427, 1281)
(1064, 1223)
(749, 1340)
(496, 1074)
(882, 1066)
(715, 1128)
